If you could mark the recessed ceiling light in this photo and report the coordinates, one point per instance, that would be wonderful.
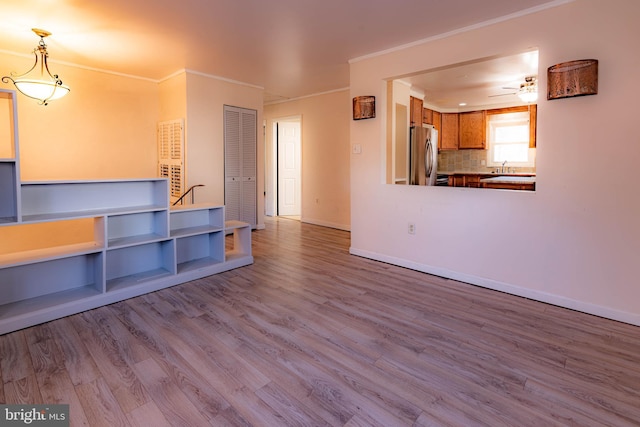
(462, 104)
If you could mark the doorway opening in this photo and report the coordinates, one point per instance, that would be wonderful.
(286, 179)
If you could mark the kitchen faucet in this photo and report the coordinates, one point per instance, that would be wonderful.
(503, 163)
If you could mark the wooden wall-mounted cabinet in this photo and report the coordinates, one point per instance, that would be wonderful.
(437, 120)
(415, 111)
(472, 127)
(427, 116)
(449, 131)
(467, 130)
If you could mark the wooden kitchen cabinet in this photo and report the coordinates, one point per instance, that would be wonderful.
(466, 180)
(427, 116)
(437, 122)
(472, 127)
(449, 131)
(510, 186)
(415, 111)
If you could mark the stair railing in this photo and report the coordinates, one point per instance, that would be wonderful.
(189, 191)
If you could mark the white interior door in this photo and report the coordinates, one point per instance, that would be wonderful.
(289, 168)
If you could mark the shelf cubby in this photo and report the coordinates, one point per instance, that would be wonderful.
(241, 243)
(133, 265)
(8, 191)
(9, 165)
(194, 219)
(26, 284)
(199, 251)
(24, 243)
(8, 133)
(139, 227)
(50, 200)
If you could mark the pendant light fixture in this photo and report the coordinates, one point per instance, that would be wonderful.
(44, 87)
(528, 90)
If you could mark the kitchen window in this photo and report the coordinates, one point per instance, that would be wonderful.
(508, 137)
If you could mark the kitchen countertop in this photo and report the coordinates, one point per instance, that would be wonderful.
(488, 173)
(510, 179)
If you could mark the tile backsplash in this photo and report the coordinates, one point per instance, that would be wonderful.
(470, 161)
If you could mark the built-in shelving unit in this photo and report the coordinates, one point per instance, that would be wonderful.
(9, 167)
(131, 265)
(137, 227)
(200, 238)
(105, 240)
(51, 200)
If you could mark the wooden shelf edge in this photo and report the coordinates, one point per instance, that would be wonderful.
(194, 207)
(193, 231)
(123, 242)
(26, 218)
(48, 254)
(199, 264)
(234, 224)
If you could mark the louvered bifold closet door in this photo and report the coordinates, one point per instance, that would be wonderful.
(171, 155)
(240, 139)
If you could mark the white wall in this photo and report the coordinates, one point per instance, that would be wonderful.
(206, 97)
(104, 128)
(325, 154)
(575, 241)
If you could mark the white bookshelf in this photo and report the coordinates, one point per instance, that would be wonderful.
(89, 243)
(241, 247)
(131, 265)
(132, 228)
(200, 250)
(51, 200)
(9, 166)
(195, 219)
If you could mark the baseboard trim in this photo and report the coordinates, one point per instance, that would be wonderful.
(585, 307)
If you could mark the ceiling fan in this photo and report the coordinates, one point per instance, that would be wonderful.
(527, 92)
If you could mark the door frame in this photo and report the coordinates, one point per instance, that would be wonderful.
(271, 166)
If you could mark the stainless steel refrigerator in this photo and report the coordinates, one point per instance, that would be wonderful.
(423, 155)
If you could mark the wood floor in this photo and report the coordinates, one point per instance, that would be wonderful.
(312, 336)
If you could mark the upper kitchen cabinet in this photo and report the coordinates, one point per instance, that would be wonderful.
(472, 126)
(448, 132)
(415, 111)
(431, 117)
(427, 116)
(437, 121)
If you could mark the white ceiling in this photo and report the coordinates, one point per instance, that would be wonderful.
(489, 82)
(291, 48)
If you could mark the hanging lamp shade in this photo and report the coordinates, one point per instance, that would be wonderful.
(528, 90)
(42, 86)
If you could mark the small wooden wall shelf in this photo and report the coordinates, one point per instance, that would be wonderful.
(573, 78)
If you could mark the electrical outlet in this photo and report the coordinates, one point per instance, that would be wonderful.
(411, 229)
